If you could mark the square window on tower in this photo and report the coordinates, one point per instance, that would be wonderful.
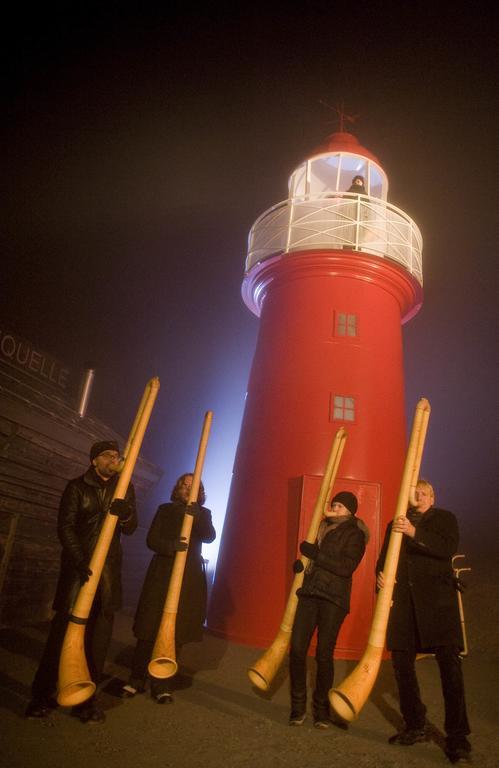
(345, 325)
(342, 408)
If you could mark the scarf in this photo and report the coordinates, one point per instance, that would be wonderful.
(327, 525)
(414, 516)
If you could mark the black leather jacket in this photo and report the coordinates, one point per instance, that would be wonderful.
(82, 510)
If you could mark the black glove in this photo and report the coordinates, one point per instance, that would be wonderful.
(84, 572)
(179, 545)
(193, 509)
(121, 509)
(309, 550)
(298, 566)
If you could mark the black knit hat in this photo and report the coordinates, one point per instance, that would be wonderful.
(347, 499)
(101, 446)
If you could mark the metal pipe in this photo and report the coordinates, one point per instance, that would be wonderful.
(85, 391)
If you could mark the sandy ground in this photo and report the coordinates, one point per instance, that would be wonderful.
(218, 719)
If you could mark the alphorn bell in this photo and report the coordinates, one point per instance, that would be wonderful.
(350, 696)
(163, 662)
(75, 684)
(265, 668)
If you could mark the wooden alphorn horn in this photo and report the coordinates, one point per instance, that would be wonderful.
(136, 421)
(163, 662)
(75, 684)
(350, 696)
(265, 668)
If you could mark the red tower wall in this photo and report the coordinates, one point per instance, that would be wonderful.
(287, 430)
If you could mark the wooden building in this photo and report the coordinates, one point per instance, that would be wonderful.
(44, 442)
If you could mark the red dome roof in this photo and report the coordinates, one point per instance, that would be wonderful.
(342, 141)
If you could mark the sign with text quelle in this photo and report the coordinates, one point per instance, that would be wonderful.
(26, 357)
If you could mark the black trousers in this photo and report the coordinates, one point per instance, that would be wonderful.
(312, 613)
(451, 676)
(98, 634)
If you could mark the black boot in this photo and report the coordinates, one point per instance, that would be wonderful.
(89, 712)
(408, 737)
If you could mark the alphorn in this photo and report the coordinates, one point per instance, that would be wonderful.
(75, 684)
(163, 662)
(350, 696)
(265, 668)
(136, 421)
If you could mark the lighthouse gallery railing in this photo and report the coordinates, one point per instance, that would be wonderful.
(337, 221)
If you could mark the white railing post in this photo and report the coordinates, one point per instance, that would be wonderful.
(290, 220)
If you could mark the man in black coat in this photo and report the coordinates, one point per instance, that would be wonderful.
(164, 540)
(324, 602)
(84, 505)
(425, 618)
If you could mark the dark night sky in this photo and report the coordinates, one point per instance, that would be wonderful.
(138, 147)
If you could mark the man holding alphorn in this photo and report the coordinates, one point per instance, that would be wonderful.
(84, 505)
(425, 618)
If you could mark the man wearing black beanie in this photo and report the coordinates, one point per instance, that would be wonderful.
(84, 505)
(324, 602)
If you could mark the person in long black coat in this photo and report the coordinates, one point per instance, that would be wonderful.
(425, 618)
(324, 602)
(164, 540)
(84, 505)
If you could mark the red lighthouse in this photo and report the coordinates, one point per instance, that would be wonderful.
(332, 272)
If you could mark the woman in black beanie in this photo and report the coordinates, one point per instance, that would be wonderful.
(324, 602)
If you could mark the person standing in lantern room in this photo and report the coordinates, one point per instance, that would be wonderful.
(323, 603)
(357, 186)
(424, 618)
